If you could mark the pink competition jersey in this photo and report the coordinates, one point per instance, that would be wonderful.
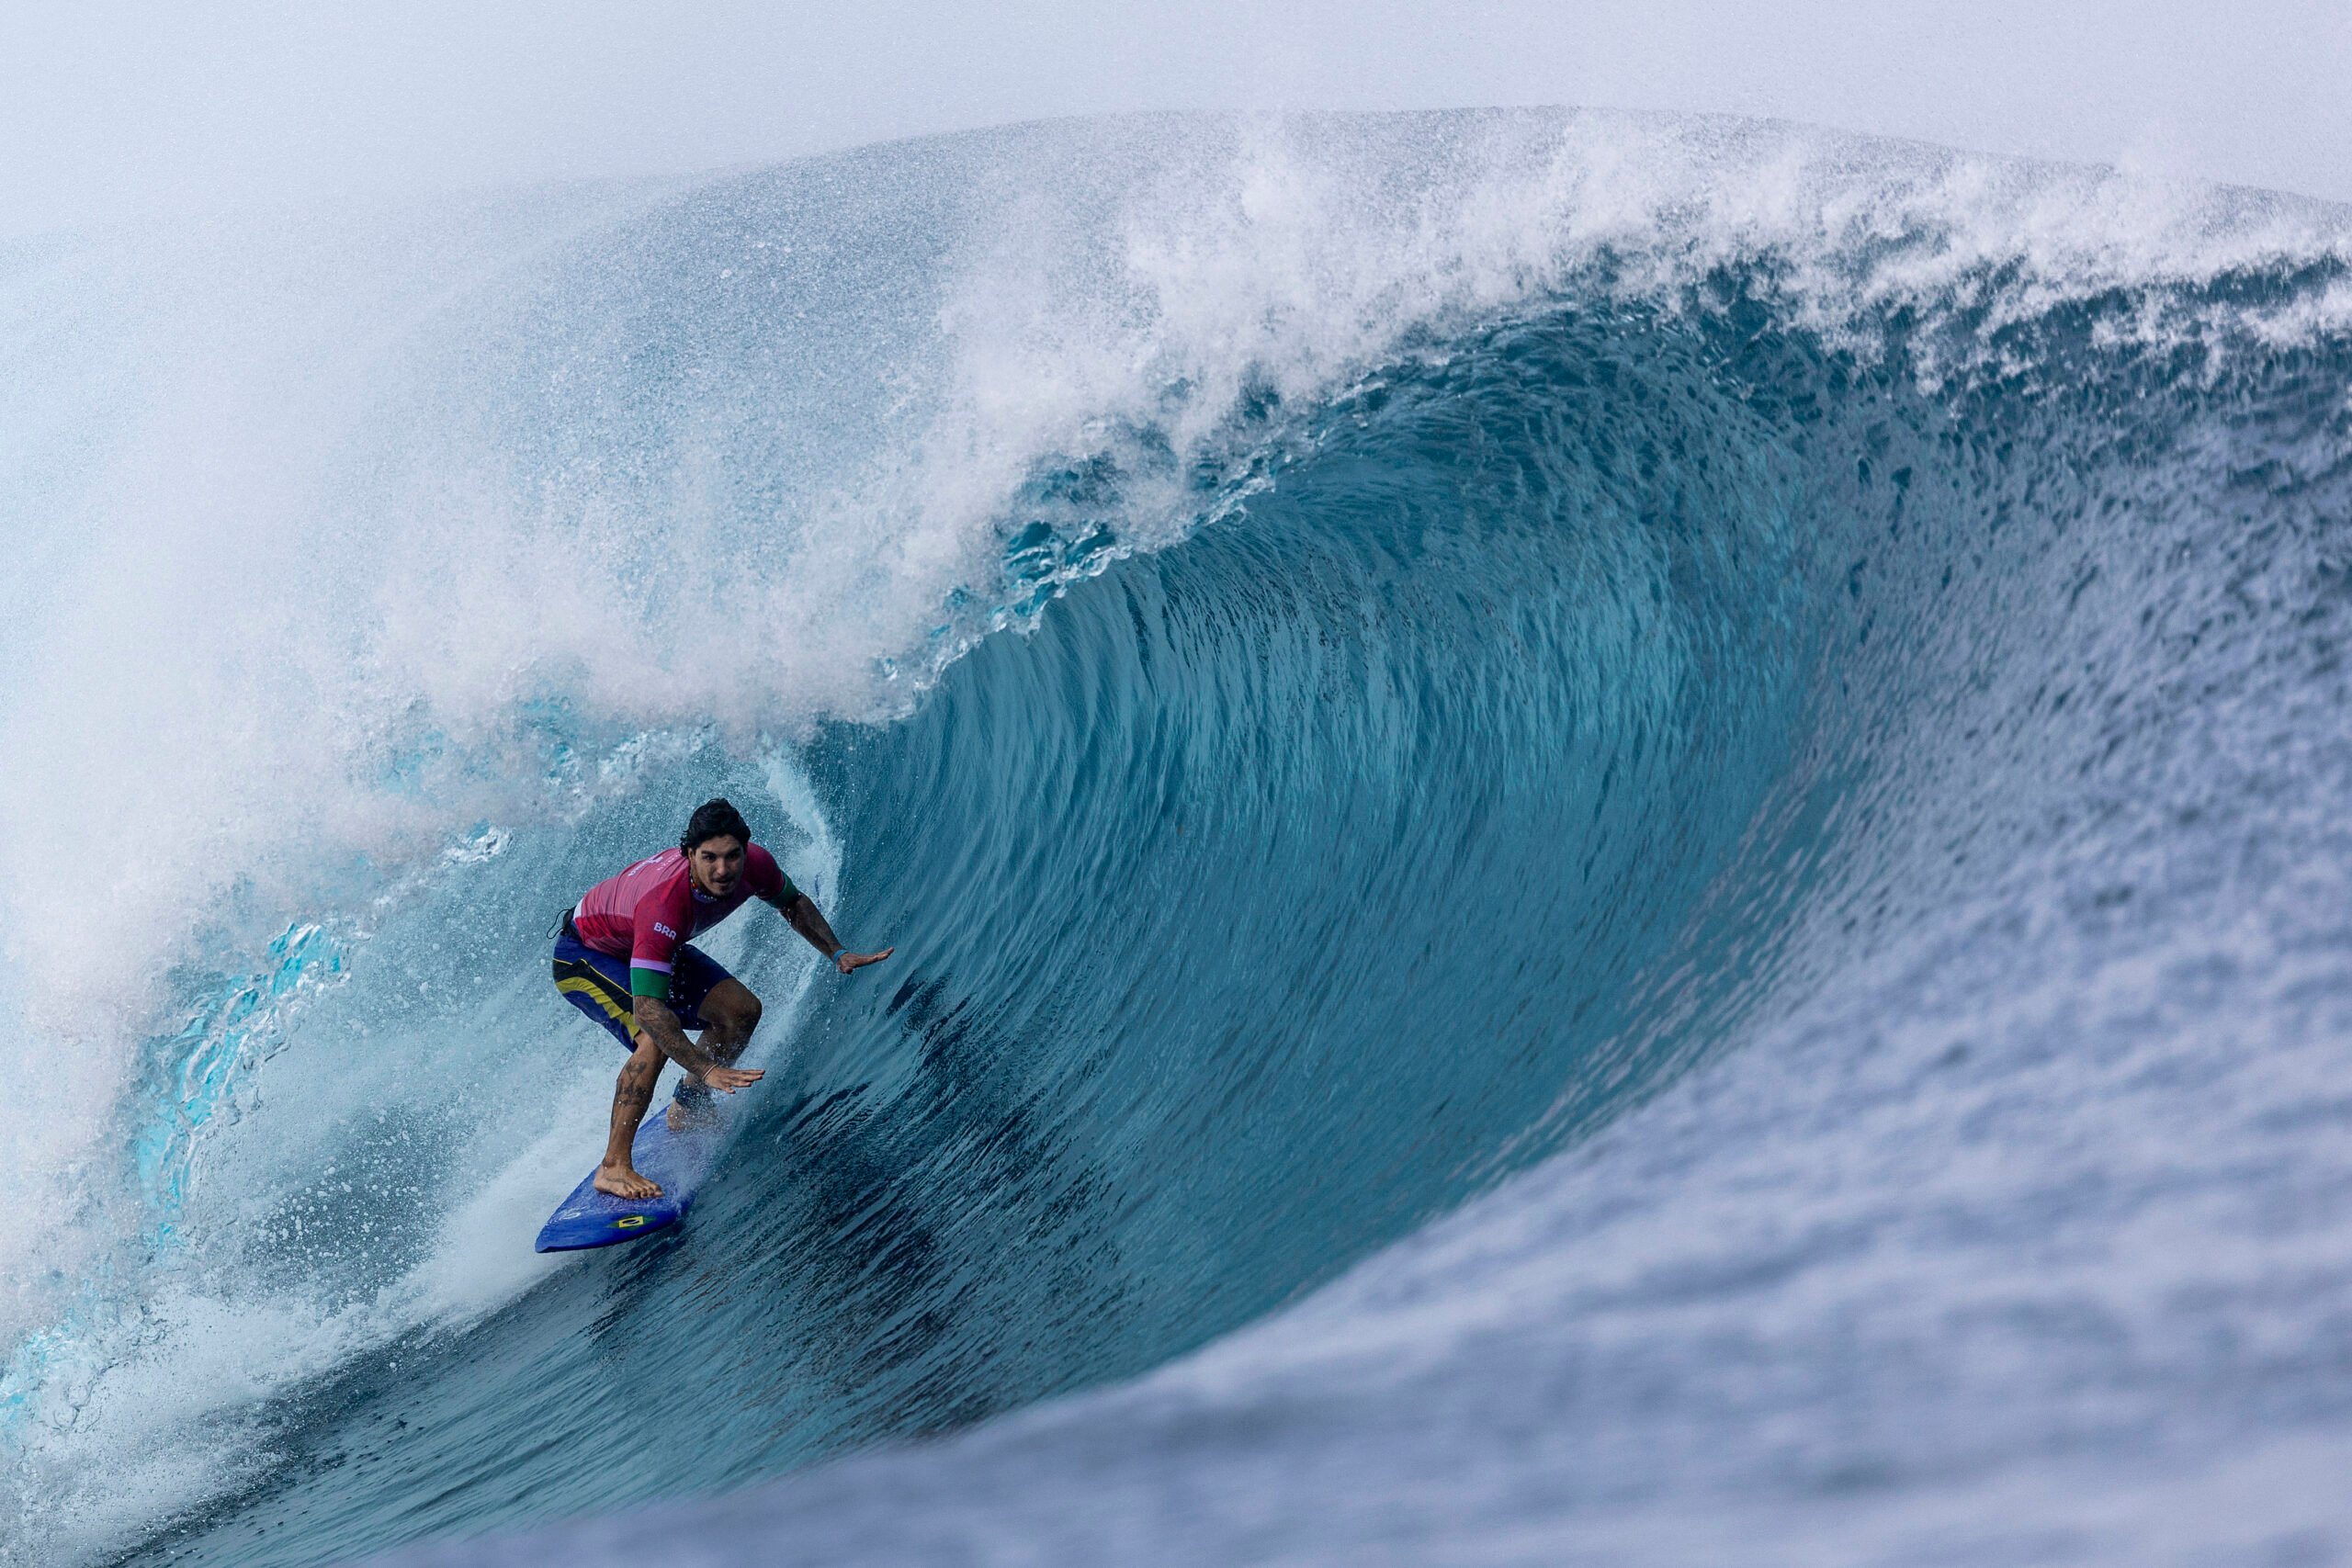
(647, 912)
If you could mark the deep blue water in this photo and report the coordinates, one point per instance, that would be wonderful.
(1658, 888)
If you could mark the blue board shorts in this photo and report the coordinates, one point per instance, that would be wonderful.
(597, 983)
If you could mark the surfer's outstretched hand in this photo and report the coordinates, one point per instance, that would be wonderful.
(845, 962)
(729, 1080)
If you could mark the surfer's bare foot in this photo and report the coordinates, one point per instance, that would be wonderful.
(620, 1182)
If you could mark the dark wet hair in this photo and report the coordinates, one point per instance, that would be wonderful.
(714, 819)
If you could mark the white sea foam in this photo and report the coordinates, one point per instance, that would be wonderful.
(279, 600)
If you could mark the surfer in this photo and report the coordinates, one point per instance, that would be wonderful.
(621, 955)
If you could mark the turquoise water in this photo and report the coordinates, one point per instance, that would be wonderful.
(1610, 839)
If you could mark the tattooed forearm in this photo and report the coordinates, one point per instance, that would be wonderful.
(656, 1023)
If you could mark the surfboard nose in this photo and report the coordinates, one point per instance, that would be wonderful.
(677, 1162)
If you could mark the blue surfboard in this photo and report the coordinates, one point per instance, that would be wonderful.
(677, 1161)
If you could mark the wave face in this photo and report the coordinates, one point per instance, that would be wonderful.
(1674, 781)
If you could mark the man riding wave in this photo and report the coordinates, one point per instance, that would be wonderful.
(622, 957)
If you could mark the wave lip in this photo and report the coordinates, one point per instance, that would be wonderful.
(1507, 608)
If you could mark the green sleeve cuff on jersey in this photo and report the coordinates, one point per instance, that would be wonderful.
(644, 982)
(784, 899)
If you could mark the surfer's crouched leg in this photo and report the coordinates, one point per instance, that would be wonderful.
(616, 1175)
(732, 1013)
